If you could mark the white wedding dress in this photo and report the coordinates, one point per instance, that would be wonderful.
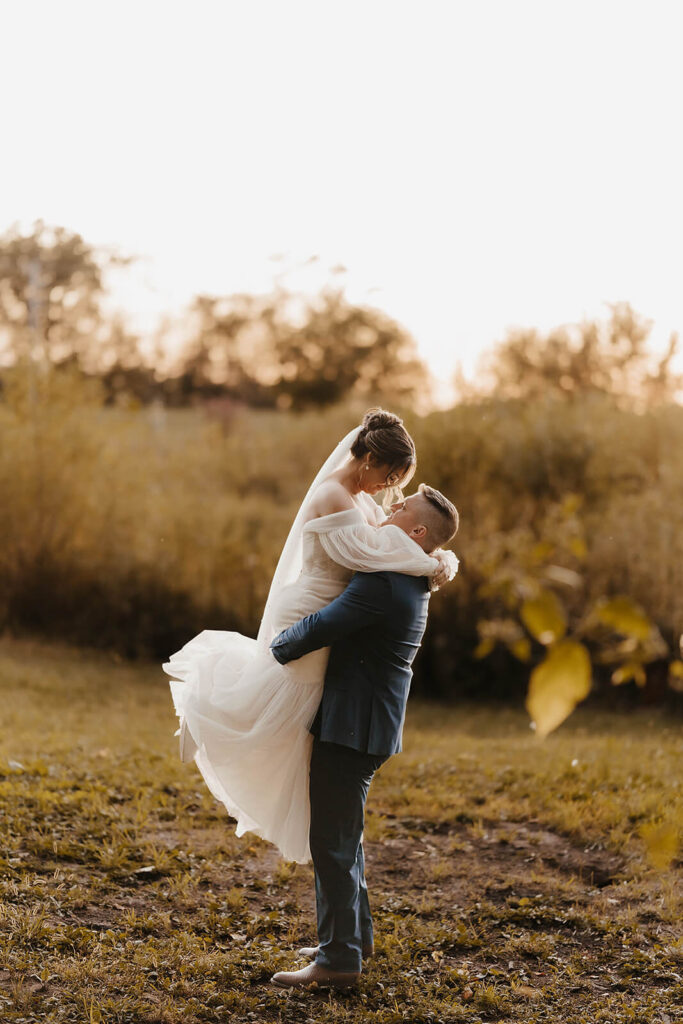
(249, 715)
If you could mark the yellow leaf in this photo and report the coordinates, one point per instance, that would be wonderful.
(676, 676)
(577, 546)
(631, 670)
(541, 551)
(571, 504)
(624, 616)
(544, 617)
(661, 843)
(521, 649)
(557, 685)
(484, 647)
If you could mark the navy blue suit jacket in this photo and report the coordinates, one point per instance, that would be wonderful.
(374, 629)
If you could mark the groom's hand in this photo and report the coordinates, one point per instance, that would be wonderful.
(277, 649)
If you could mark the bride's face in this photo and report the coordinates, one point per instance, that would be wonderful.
(378, 478)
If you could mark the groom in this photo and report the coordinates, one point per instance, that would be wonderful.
(374, 629)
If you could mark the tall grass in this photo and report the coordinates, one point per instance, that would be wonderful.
(133, 528)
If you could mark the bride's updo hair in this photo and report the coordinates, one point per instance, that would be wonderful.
(384, 438)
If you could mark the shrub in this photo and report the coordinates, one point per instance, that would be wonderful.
(133, 528)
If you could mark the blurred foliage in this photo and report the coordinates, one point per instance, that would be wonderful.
(609, 631)
(133, 528)
(51, 292)
(293, 351)
(145, 499)
(279, 350)
(609, 358)
(605, 570)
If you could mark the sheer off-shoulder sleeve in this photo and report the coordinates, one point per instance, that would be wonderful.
(353, 543)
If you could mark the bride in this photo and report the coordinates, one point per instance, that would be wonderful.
(244, 717)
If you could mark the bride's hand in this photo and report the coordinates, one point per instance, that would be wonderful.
(448, 566)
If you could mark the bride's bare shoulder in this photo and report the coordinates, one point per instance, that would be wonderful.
(330, 497)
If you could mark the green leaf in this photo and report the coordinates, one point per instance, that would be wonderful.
(557, 685)
(624, 616)
(544, 617)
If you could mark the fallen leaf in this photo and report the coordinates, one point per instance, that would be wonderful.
(527, 991)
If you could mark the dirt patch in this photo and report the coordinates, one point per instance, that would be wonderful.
(508, 849)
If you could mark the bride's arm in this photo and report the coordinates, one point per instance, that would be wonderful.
(375, 513)
(448, 563)
(364, 548)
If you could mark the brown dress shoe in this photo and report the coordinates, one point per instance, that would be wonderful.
(310, 952)
(323, 977)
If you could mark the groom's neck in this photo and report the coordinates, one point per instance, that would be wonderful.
(426, 547)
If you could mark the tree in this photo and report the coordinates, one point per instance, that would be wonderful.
(295, 351)
(51, 289)
(610, 357)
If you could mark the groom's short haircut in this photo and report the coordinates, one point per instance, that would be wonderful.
(441, 517)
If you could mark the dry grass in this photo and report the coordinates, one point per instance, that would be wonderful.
(133, 528)
(510, 878)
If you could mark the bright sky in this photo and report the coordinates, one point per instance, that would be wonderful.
(474, 165)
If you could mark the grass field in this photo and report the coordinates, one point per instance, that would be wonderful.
(511, 879)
